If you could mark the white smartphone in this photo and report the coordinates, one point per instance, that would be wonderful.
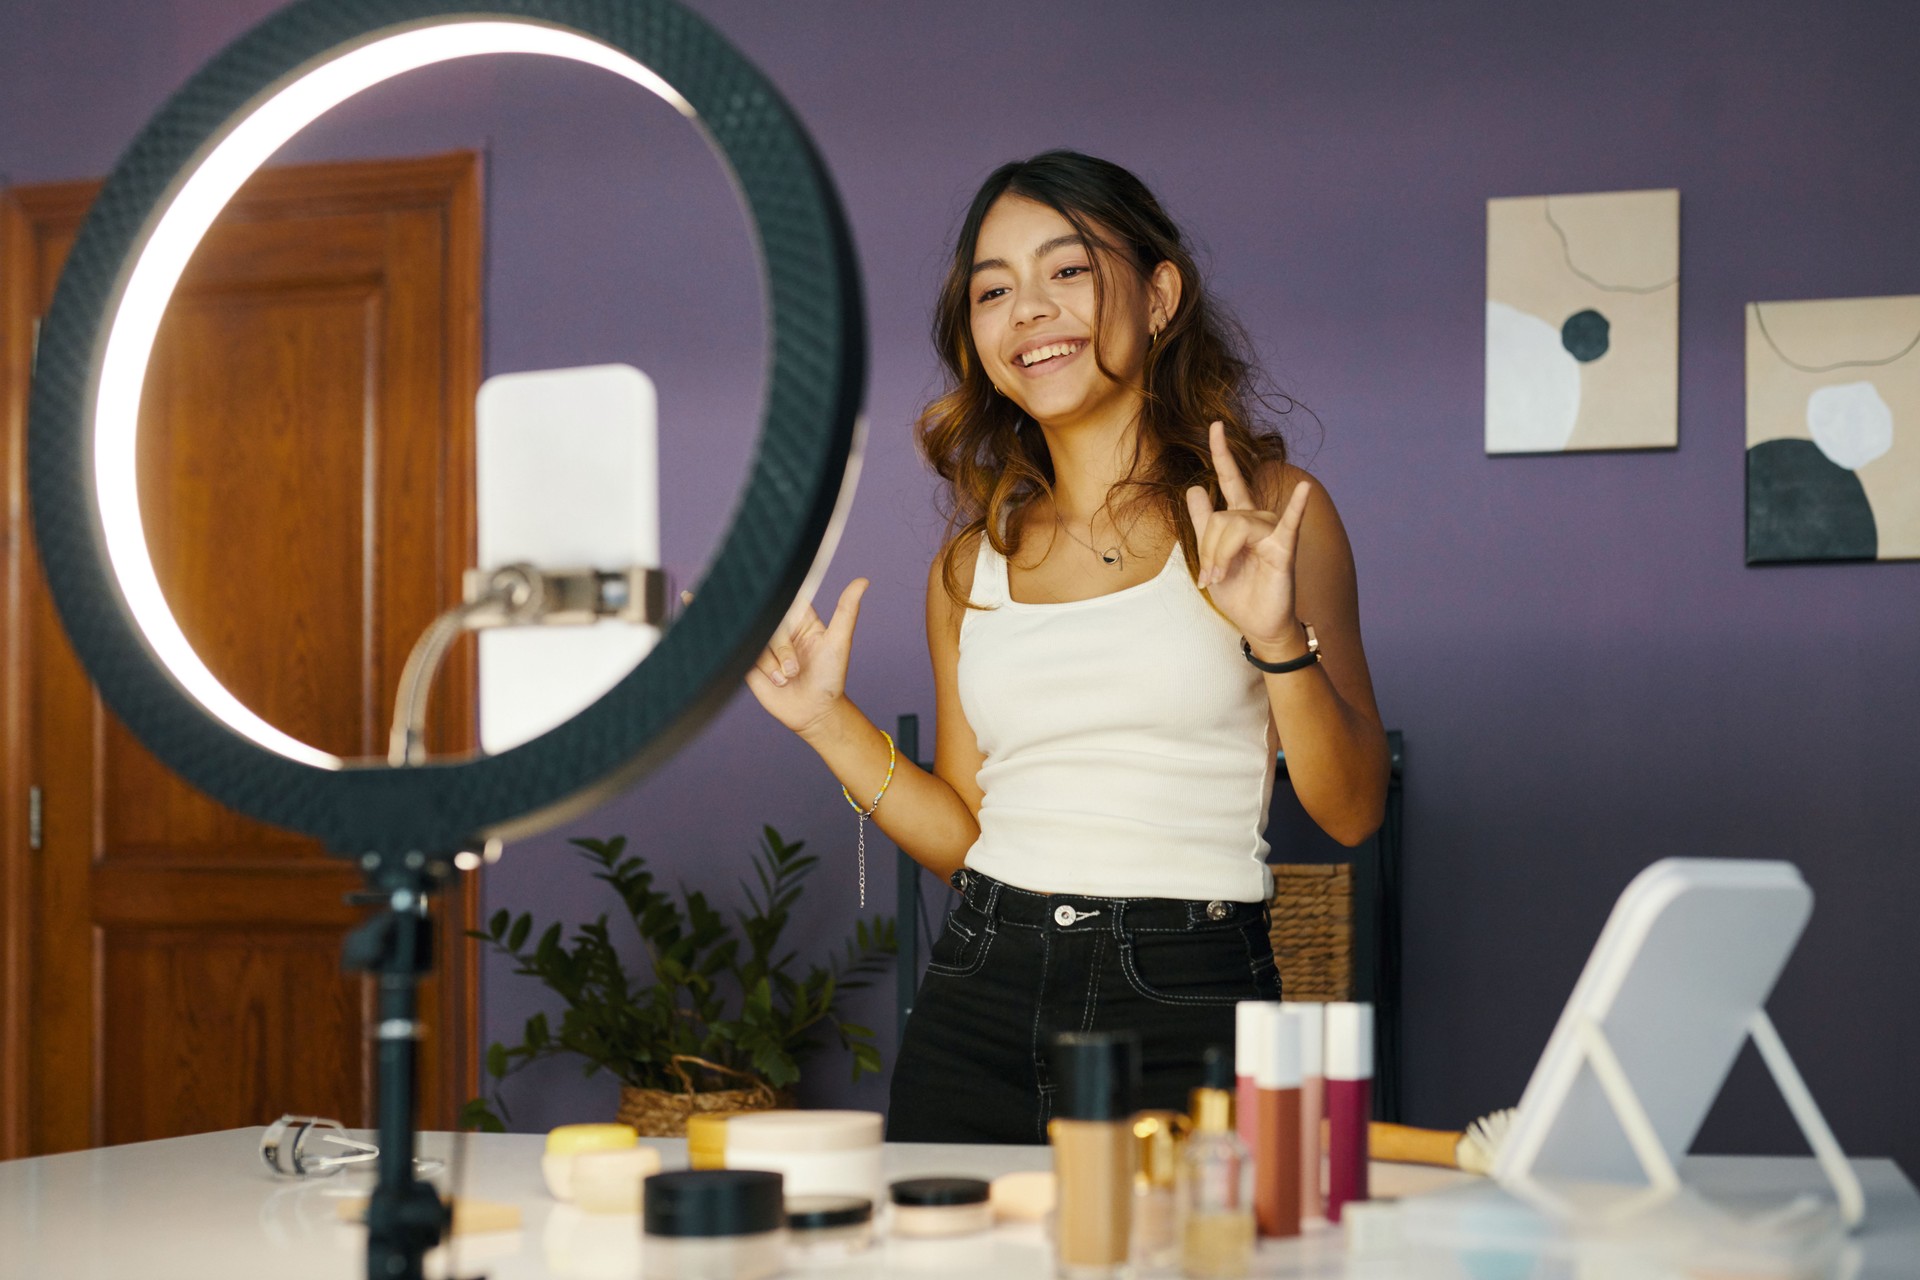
(568, 478)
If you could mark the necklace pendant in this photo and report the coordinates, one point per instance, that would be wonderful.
(1111, 558)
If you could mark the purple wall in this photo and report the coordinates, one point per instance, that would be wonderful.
(1588, 676)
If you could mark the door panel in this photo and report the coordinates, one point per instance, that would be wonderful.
(306, 487)
(283, 1027)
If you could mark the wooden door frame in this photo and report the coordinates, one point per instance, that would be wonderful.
(452, 182)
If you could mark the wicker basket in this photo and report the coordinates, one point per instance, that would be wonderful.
(1313, 930)
(662, 1113)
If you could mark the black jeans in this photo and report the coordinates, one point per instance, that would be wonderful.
(1013, 968)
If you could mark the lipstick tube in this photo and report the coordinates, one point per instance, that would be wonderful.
(1276, 1154)
(1247, 1017)
(1349, 1098)
(1312, 1016)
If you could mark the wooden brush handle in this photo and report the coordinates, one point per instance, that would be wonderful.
(1405, 1145)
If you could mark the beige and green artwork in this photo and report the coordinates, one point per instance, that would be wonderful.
(1583, 322)
(1833, 456)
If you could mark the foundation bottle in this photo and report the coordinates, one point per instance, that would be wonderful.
(1158, 1136)
(1215, 1191)
(1097, 1075)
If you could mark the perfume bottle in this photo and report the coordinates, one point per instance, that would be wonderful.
(1215, 1193)
(1158, 1137)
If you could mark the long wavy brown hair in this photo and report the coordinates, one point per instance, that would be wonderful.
(1200, 370)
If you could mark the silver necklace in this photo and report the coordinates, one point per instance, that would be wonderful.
(1111, 557)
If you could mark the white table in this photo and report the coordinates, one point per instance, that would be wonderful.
(206, 1207)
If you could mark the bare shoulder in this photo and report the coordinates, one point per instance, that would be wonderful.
(1275, 481)
(1321, 529)
(942, 608)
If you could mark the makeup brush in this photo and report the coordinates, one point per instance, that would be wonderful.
(1472, 1149)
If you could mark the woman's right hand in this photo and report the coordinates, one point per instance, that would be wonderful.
(803, 672)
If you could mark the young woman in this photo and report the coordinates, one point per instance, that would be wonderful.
(1119, 629)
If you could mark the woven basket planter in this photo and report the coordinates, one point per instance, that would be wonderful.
(662, 1113)
(1313, 930)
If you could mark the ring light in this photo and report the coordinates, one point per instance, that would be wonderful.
(97, 339)
(158, 264)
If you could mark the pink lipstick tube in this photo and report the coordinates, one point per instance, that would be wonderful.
(1247, 1023)
(1312, 1016)
(1349, 1100)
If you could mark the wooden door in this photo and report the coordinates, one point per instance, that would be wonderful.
(306, 486)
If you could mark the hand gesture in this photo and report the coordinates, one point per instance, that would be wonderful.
(1247, 553)
(803, 672)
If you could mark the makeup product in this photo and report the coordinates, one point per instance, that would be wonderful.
(1157, 1137)
(1247, 1021)
(713, 1224)
(707, 1139)
(1313, 1092)
(579, 1246)
(570, 1140)
(1215, 1196)
(1349, 1048)
(822, 1153)
(924, 1207)
(1097, 1077)
(1026, 1195)
(1473, 1150)
(1276, 1134)
(609, 1181)
(823, 1231)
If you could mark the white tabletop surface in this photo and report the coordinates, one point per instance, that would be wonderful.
(205, 1206)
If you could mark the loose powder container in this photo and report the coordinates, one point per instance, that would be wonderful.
(609, 1181)
(570, 1140)
(825, 1230)
(713, 1224)
(925, 1207)
(1023, 1196)
(822, 1153)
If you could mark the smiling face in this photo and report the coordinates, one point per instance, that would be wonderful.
(1035, 311)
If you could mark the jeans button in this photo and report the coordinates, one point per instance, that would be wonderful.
(1217, 910)
(1063, 915)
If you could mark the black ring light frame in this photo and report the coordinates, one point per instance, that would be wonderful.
(807, 441)
(404, 824)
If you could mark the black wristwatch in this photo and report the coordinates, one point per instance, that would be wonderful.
(1307, 659)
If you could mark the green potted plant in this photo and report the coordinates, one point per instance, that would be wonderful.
(725, 1016)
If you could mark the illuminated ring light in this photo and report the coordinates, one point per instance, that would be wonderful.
(97, 339)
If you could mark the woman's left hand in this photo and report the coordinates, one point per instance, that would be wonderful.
(1247, 553)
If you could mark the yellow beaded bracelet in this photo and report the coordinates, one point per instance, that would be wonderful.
(867, 812)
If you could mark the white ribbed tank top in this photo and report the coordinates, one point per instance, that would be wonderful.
(1125, 741)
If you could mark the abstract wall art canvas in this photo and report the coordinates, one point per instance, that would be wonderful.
(1583, 322)
(1833, 430)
